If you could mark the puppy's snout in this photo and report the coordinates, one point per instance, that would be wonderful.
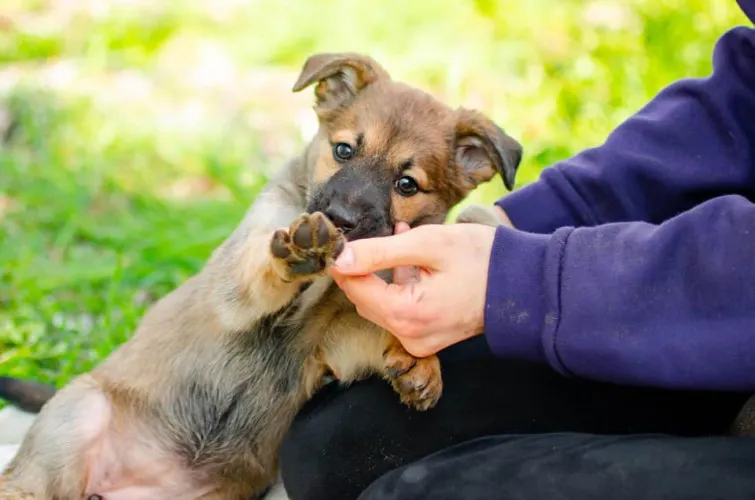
(339, 214)
(357, 201)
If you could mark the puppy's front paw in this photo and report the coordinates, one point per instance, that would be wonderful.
(478, 214)
(417, 381)
(307, 248)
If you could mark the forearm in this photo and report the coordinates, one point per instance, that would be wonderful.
(666, 305)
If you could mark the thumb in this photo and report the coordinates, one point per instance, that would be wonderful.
(410, 248)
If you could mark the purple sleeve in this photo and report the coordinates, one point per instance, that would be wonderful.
(691, 143)
(669, 305)
(634, 259)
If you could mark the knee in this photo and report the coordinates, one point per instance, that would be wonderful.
(332, 449)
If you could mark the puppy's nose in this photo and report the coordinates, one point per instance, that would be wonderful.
(344, 219)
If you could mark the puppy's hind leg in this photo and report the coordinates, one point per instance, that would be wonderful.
(54, 458)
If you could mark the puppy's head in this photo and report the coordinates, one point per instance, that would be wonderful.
(386, 152)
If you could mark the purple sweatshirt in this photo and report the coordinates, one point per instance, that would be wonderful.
(635, 260)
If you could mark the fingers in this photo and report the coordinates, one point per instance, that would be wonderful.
(421, 347)
(401, 227)
(404, 274)
(366, 293)
(372, 293)
(417, 247)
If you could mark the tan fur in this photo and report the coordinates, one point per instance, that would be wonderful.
(478, 214)
(196, 403)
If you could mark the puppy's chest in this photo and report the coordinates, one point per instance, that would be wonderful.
(246, 400)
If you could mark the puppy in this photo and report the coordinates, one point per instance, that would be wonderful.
(196, 403)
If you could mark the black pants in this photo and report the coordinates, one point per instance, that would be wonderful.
(578, 467)
(346, 439)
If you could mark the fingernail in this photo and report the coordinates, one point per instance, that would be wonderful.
(401, 227)
(346, 259)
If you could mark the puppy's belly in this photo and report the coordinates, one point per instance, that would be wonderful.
(126, 467)
(154, 492)
(130, 466)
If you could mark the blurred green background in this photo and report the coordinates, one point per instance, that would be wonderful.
(135, 133)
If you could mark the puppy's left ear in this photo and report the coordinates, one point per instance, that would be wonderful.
(340, 77)
(484, 149)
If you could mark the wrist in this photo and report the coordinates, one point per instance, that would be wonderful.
(516, 301)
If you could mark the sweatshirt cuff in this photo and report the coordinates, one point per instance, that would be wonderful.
(538, 208)
(516, 296)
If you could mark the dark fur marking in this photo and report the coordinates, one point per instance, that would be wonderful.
(217, 418)
(283, 385)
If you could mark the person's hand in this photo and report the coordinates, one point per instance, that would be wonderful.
(438, 303)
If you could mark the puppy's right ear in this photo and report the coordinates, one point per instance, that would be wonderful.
(340, 77)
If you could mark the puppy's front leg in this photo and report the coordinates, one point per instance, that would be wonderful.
(259, 272)
(306, 249)
(417, 380)
(356, 348)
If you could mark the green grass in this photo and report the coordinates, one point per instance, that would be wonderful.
(142, 130)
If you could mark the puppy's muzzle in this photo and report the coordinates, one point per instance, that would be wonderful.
(339, 214)
(357, 200)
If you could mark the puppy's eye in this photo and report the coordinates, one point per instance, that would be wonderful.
(343, 152)
(406, 186)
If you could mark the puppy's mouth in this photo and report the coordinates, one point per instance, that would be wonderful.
(364, 230)
(369, 227)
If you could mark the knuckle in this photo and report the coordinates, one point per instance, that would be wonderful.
(448, 239)
(403, 311)
(411, 329)
(413, 295)
(427, 233)
(376, 256)
(361, 311)
(422, 351)
(439, 236)
(399, 326)
(417, 349)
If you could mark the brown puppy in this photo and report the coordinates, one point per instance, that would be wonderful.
(195, 405)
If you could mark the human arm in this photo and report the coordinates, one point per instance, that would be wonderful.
(669, 305)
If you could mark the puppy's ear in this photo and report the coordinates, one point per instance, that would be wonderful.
(340, 77)
(484, 149)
